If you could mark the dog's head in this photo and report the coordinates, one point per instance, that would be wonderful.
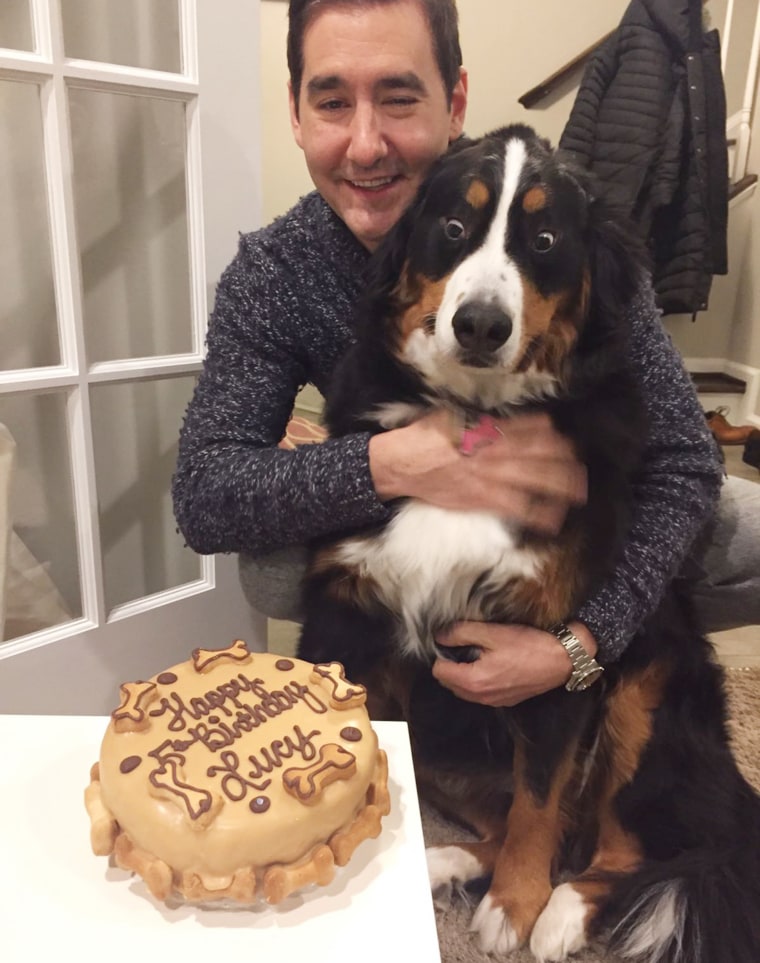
(500, 268)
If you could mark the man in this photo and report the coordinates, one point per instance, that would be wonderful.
(377, 92)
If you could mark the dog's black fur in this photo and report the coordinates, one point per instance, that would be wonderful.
(652, 813)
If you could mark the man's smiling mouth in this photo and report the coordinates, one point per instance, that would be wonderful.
(373, 183)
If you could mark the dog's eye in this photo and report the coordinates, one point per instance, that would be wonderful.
(453, 229)
(544, 242)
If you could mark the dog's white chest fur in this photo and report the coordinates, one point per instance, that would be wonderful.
(427, 561)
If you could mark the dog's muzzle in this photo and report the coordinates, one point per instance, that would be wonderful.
(481, 329)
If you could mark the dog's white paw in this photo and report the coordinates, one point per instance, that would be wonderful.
(450, 867)
(495, 932)
(561, 928)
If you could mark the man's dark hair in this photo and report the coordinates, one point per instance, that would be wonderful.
(441, 16)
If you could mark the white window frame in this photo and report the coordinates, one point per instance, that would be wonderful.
(48, 68)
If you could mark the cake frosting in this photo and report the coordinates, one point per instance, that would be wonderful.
(237, 775)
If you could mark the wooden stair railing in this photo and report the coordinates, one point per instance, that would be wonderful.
(538, 93)
(734, 190)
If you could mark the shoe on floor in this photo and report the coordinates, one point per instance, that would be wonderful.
(723, 431)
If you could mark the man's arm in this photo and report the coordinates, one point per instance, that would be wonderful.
(676, 490)
(233, 489)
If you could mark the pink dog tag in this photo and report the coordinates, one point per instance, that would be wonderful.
(484, 432)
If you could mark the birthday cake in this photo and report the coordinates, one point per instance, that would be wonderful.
(237, 775)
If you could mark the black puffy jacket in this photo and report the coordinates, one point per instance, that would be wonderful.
(650, 121)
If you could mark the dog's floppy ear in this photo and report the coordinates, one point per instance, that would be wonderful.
(618, 261)
(617, 255)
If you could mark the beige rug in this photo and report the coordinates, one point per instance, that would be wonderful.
(458, 946)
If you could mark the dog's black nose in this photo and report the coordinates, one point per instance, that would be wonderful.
(481, 328)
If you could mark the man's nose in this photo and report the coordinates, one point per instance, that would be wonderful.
(367, 143)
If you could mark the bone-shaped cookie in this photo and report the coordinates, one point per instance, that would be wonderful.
(167, 781)
(103, 827)
(367, 824)
(157, 874)
(308, 782)
(130, 716)
(239, 886)
(205, 658)
(281, 881)
(342, 693)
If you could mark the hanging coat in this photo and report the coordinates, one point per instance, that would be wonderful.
(649, 121)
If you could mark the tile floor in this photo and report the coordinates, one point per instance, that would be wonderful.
(737, 647)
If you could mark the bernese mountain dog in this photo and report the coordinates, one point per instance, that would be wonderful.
(617, 810)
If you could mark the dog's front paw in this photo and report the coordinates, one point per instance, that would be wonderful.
(496, 934)
(561, 928)
(449, 868)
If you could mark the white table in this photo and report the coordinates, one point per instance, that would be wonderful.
(54, 893)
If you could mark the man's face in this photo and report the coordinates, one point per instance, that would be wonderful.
(372, 112)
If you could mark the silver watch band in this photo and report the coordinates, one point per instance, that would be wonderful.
(586, 670)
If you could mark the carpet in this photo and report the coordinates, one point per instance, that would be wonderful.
(453, 920)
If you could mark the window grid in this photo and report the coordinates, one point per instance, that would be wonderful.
(48, 68)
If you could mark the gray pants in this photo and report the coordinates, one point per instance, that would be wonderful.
(725, 566)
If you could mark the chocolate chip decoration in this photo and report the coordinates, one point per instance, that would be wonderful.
(130, 764)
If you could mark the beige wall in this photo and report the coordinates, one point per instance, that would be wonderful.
(509, 47)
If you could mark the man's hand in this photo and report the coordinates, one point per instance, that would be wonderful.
(528, 473)
(516, 662)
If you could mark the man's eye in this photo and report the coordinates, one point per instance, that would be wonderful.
(331, 105)
(453, 229)
(544, 241)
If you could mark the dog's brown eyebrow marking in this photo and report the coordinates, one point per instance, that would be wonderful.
(535, 200)
(477, 195)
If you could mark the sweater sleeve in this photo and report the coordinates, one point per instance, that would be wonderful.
(234, 490)
(676, 490)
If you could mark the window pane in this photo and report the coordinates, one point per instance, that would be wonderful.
(15, 25)
(135, 430)
(129, 191)
(41, 585)
(28, 332)
(135, 33)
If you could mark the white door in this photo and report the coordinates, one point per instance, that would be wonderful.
(129, 162)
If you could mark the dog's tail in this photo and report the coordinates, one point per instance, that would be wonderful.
(703, 906)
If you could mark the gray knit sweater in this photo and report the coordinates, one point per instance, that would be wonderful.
(283, 317)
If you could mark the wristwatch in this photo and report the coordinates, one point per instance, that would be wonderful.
(586, 670)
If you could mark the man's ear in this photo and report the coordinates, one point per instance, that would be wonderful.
(458, 106)
(295, 124)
